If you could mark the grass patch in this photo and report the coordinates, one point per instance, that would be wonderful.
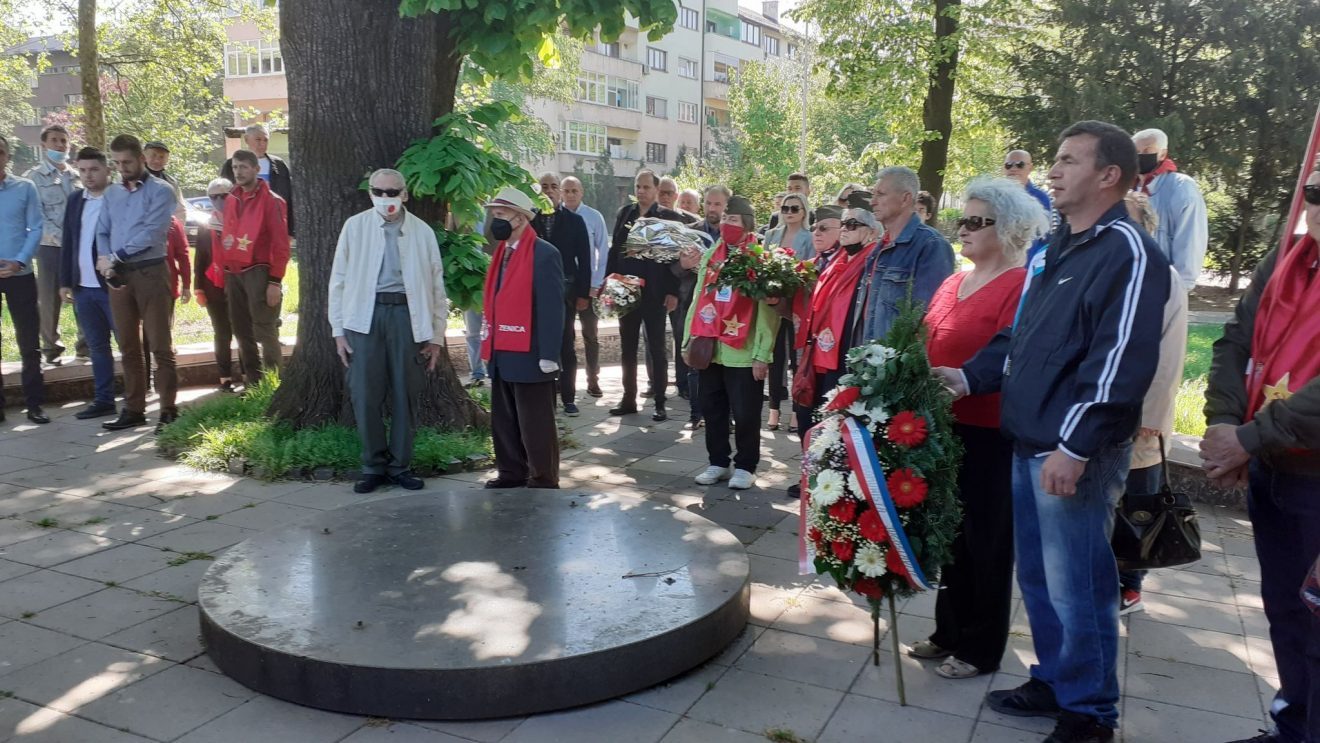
(1189, 408)
(186, 557)
(208, 435)
(1200, 340)
(46, 523)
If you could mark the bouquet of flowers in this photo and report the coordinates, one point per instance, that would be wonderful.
(618, 295)
(661, 240)
(765, 273)
(879, 509)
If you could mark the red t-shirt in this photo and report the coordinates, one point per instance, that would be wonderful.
(958, 329)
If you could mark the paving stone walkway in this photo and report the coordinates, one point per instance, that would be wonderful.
(99, 633)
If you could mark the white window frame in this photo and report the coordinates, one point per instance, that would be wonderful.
(593, 87)
(584, 138)
(623, 93)
(688, 68)
(657, 107)
(689, 18)
(751, 33)
(242, 57)
(663, 151)
(654, 55)
(771, 44)
(688, 112)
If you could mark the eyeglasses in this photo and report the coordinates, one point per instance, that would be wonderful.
(821, 228)
(853, 224)
(389, 192)
(218, 196)
(1311, 194)
(790, 209)
(972, 224)
(1015, 164)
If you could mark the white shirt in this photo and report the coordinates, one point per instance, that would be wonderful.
(263, 168)
(86, 237)
(599, 236)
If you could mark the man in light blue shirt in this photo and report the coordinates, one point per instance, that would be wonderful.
(599, 235)
(1183, 233)
(20, 233)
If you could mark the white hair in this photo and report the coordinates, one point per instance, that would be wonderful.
(904, 179)
(568, 178)
(256, 128)
(223, 184)
(668, 179)
(1158, 136)
(391, 172)
(550, 174)
(694, 193)
(1019, 218)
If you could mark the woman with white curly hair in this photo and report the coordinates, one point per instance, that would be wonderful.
(972, 611)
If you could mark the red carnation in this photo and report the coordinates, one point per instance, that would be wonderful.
(844, 509)
(907, 429)
(872, 527)
(906, 487)
(842, 550)
(788, 251)
(847, 396)
(751, 274)
(894, 562)
(869, 587)
(816, 538)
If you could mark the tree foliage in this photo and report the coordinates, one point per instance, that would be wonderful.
(16, 73)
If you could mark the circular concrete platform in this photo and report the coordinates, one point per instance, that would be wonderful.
(475, 604)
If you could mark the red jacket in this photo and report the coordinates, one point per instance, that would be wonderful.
(176, 257)
(256, 231)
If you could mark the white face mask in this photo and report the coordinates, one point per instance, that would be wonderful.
(386, 206)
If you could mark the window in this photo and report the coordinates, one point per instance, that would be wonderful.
(623, 94)
(657, 59)
(657, 153)
(591, 88)
(725, 70)
(73, 99)
(609, 49)
(584, 138)
(689, 18)
(687, 112)
(252, 58)
(657, 107)
(751, 33)
(792, 50)
(687, 68)
(772, 45)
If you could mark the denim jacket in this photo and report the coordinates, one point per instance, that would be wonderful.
(916, 262)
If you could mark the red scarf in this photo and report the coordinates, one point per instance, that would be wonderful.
(1167, 165)
(830, 305)
(509, 309)
(1285, 346)
(722, 312)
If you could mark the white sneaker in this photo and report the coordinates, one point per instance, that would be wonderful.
(741, 480)
(713, 475)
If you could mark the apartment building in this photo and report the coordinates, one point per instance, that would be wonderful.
(254, 78)
(54, 89)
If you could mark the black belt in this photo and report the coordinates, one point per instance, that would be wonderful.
(391, 298)
(135, 265)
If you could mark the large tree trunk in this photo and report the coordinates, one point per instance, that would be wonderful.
(364, 83)
(89, 64)
(937, 113)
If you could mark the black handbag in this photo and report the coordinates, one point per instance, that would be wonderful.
(1156, 531)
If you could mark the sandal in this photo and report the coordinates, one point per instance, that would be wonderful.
(773, 426)
(952, 668)
(927, 650)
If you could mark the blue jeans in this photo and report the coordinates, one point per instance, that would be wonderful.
(91, 306)
(1285, 515)
(1067, 573)
(1141, 481)
(472, 322)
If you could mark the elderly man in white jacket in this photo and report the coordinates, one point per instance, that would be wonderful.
(387, 314)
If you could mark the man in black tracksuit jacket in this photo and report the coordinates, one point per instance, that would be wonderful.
(1073, 373)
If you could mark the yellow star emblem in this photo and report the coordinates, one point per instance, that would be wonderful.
(1279, 390)
(244, 242)
(732, 326)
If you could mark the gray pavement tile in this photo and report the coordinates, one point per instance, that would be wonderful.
(43, 725)
(175, 636)
(1261, 654)
(832, 620)
(117, 564)
(398, 732)
(1247, 593)
(22, 644)
(174, 581)
(56, 546)
(608, 722)
(18, 500)
(695, 731)
(988, 732)
(1254, 622)
(204, 536)
(202, 505)
(1186, 645)
(805, 659)
(11, 466)
(681, 692)
(78, 511)
(1185, 685)
(769, 603)
(859, 717)
(1247, 568)
(102, 613)
(1190, 585)
(80, 676)
(483, 731)
(643, 443)
(757, 703)
(40, 590)
(267, 515)
(777, 573)
(267, 720)
(15, 530)
(168, 704)
(734, 650)
(10, 569)
(925, 689)
(1185, 612)
(134, 525)
(322, 497)
(1152, 721)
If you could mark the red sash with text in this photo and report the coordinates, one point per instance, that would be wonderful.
(722, 312)
(509, 309)
(830, 305)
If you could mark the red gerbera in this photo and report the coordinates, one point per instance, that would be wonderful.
(869, 587)
(844, 509)
(816, 537)
(847, 396)
(842, 550)
(907, 429)
(906, 487)
(872, 527)
(894, 563)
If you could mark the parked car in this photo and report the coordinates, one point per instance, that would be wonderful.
(199, 217)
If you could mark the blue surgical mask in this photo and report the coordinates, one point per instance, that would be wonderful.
(56, 156)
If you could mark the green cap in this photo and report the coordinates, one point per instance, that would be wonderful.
(828, 211)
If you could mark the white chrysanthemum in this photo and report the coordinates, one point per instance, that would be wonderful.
(870, 561)
(829, 488)
(877, 355)
(857, 409)
(877, 414)
(855, 486)
(826, 437)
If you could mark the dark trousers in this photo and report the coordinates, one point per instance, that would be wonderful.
(780, 362)
(144, 306)
(49, 303)
(217, 308)
(385, 368)
(676, 319)
(568, 354)
(1142, 481)
(1285, 514)
(95, 319)
(806, 417)
(522, 422)
(255, 323)
(20, 293)
(975, 603)
(590, 344)
(725, 389)
(651, 313)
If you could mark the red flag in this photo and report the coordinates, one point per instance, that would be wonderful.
(1294, 223)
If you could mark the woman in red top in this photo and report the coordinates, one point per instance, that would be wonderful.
(972, 610)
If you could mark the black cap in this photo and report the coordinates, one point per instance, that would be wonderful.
(859, 200)
(828, 211)
(740, 205)
(156, 146)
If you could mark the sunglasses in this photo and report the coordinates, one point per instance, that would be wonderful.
(972, 224)
(387, 192)
(820, 228)
(790, 209)
(1015, 164)
(853, 224)
(1311, 194)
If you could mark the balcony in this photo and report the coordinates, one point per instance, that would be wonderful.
(713, 90)
(567, 162)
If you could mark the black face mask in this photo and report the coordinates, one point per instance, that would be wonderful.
(501, 229)
(854, 249)
(1147, 163)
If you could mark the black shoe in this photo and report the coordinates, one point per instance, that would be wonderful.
(795, 490)
(37, 416)
(476, 383)
(659, 414)
(1264, 737)
(96, 410)
(594, 390)
(226, 386)
(543, 487)
(1032, 699)
(571, 410)
(55, 361)
(501, 484)
(407, 481)
(125, 420)
(624, 409)
(1074, 727)
(648, 394)
(166, 418)
(368, 483)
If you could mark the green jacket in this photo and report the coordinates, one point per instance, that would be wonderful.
(760, 345)
(1286, 433)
